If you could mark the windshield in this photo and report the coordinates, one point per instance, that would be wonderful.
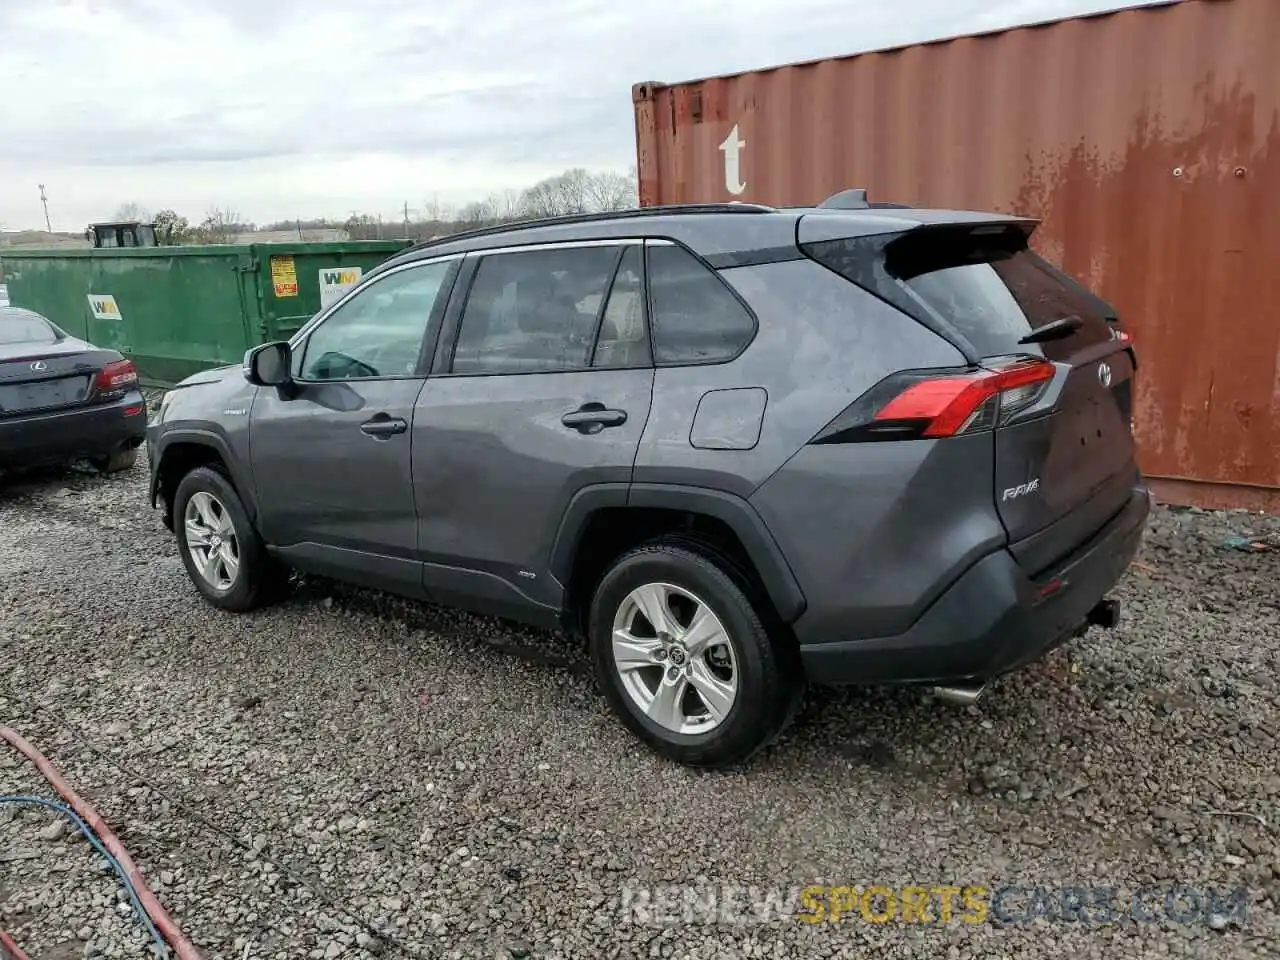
(22, 326)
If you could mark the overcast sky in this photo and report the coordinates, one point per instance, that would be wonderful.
(282, 108)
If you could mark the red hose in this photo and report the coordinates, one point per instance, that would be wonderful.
(10, 950)
(183, 947)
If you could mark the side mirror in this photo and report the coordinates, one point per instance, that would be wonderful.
(270, 365)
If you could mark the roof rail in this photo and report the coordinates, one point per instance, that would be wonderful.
(856, 199)
(574, 218)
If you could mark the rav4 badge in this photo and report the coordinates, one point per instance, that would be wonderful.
(1022, 489)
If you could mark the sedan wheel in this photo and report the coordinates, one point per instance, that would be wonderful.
(212, 541)
(675, 659)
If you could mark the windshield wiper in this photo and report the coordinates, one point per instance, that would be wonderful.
(1054, 330)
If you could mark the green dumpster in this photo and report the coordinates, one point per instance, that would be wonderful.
(177, 310)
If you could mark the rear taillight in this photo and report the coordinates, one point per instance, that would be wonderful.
(934, 404)
(115, 377)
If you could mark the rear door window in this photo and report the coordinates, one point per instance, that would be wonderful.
(534, 310)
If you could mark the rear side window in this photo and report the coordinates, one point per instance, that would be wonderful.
(534, 310)
(22, 326)
(696, 318)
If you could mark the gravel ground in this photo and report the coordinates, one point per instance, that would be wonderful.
(349, 775)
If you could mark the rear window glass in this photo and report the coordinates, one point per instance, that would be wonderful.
(984, 284)
(995, 302)
(22, 327)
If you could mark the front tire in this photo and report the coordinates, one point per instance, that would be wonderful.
(220, 548)
(681, 652)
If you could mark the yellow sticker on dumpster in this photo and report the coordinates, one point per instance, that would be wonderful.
(104, 306)
(284, 276)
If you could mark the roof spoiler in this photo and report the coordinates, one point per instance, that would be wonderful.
(856, 199)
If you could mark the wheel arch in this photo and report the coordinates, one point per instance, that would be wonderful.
(650, 510)
(178, 453)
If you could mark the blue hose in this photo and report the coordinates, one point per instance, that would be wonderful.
(97, 845)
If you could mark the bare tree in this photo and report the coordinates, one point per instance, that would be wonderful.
(476, 214)
(543, 199)
(220, 225)
(361, 226)
(437, 212)
(608, 191)
(575, 188)
(132, 210)
(504, 205)
(580, 191)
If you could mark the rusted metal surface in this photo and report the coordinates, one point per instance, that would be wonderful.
(1148, 141)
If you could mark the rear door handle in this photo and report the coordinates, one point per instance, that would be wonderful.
(594, 417)
(384, 426)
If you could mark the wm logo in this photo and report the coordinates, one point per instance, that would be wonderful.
(335, 277)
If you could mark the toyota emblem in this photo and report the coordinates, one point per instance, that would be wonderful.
(39, 366)
(1104, 374)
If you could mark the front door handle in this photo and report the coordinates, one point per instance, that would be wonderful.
(594, 417)
(384, 426)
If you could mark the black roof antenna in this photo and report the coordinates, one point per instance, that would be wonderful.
(856, 199)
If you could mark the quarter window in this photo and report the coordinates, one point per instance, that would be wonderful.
(534, 310)
(696, 318)
(379, 331)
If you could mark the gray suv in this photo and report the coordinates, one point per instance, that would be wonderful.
(734, 447)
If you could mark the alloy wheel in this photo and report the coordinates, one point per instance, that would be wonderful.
(212, 541)
(675, 658)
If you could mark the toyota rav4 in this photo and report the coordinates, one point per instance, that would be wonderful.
(734, 447)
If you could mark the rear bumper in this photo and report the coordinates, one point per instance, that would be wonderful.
(993, 619)
(62, 435)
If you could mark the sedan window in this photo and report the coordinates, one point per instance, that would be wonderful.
(23, 326)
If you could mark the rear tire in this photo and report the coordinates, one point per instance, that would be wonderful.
(117, 462)
(224, 556)
(709, 687)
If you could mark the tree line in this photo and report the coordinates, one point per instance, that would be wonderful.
(572, 192)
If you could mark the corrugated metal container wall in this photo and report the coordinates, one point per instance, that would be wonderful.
(1148, 141)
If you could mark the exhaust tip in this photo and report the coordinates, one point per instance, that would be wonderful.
(960, 696)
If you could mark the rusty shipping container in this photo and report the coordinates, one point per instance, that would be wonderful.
(1148, 142)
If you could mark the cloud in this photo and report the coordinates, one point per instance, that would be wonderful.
(306, 107)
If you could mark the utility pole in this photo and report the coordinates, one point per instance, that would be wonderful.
(44, 202)
(406, 219)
